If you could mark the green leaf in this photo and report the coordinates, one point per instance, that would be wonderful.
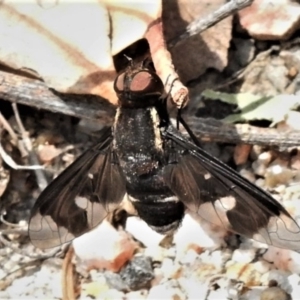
(255, 107)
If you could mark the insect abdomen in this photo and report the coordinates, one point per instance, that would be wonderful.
(141, 153)
(163, 215)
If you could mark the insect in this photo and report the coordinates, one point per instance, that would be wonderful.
(144, 160)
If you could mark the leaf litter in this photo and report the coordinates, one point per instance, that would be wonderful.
(214, 264)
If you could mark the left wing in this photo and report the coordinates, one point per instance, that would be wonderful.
(79, 198)
(221, 196)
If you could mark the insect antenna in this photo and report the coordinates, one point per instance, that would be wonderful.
(130, 60)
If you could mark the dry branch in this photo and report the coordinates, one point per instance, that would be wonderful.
(35, 93)
(211, 130)
(213, 18)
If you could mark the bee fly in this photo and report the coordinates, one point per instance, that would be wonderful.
(163, 175)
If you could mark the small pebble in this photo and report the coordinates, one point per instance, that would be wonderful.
(247, 174)
(241, 153)
(111, 294)
(276, 276)
(275, 293)
(169, 290)
(136, 295)
(243, 255)
(114, 281)
(265, 157)
(262, 266)
(259, 168)
(156, 253)
(189, 257)
(138, 273)
(193, 288)
(141, 231)
(295, 161)
(170, 268)
(117, 247)
(294, 281)
(256, 150)
(197, 234)
(277, 174)
(92, 290)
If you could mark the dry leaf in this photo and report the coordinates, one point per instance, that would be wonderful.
(271, 19)
(202, 51)
(241, 153)
(70, 45)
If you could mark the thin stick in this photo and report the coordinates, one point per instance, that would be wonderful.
(13, 135)
(40, 176)
(202, 24)
(208, 130)
(68, 276)
(8, 128)
(8, 223)
(9, 161)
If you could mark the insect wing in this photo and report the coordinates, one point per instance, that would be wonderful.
(218, 194)
(79, 198)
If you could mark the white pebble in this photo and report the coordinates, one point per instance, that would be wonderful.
(262, 266)
(136, 295)
(279, 276)
(194, 289)
(243, 255)
(294, 281)
(169, 290)
(189, 257)
(265, 157)
(157, 253)
(169, 267)
(142, 232)
(259, 168)
(111, 295)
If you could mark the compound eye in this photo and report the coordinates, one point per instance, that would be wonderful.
(145, 82)
(119, 83)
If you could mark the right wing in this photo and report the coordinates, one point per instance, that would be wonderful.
(220, 195)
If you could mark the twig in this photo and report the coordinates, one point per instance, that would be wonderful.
(40, 176)
(8, 128)
(13, 135)
(211, 130)
(10, 224)
(202, 24)
(205, 129)
(9, 161)
(24, 90)
(68, 283)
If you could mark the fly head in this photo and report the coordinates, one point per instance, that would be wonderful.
(138, 87)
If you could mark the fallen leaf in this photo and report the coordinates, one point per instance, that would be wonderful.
(256, 107)
(70, 45)
(271, 19)
(241, 153)
(200, 52)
